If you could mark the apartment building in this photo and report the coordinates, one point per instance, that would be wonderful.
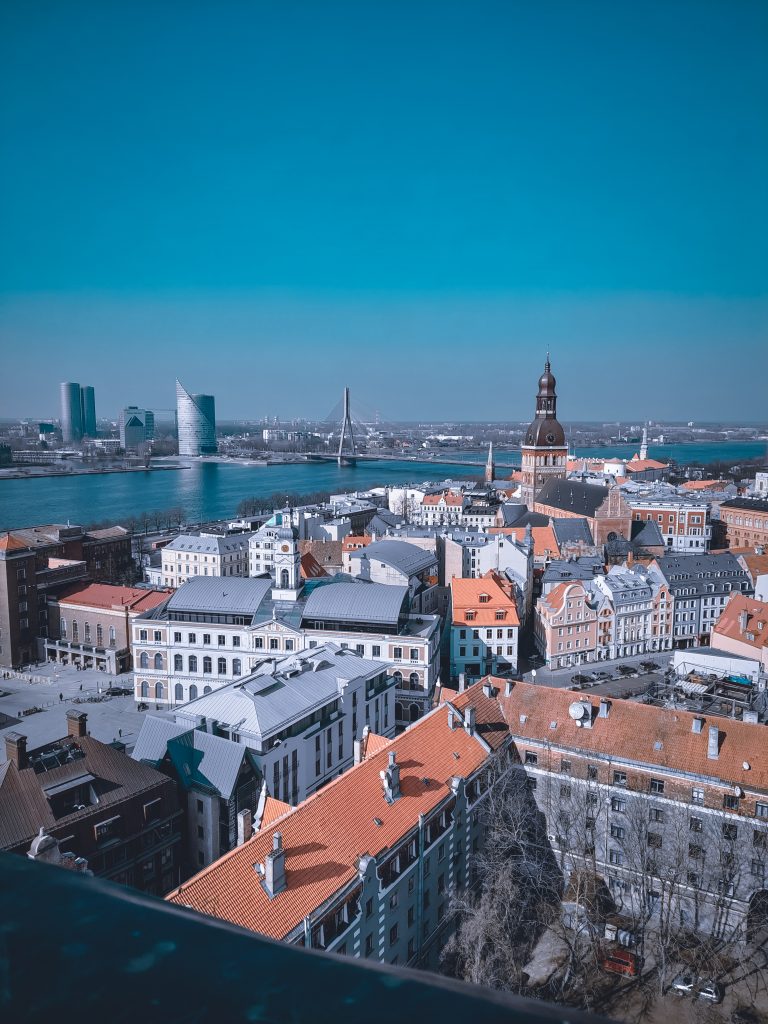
(742, 629)
(398, 563)
(210, 633)
(443, 509)
(122, 817)
(484, 627)
(700, 586)
(90, 625)
(400, 831)
(684, 522)
(745, 521)
(188, 556)
(668, 808)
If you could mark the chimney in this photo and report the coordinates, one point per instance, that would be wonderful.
(743, 619)
(469, 721)
(697, 725)
(451, 718)
(274, 867)
(390, 779)
(713, 743)
(16, 749)
(244, 826)
(508, 688)
(605, 707)
(487, 689)
(76, 724)
(462, 682)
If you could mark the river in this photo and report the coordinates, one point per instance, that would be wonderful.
(212, 490)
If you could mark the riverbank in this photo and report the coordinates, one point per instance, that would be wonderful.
(53, 472)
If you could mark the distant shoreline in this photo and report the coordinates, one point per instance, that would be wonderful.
(14, 474)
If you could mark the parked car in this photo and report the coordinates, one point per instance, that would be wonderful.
(712, 991)
(627, 670)
(602, 675)
(579, 678)
(684, 984)
(617, 960)
(119, 691)
(648, 666)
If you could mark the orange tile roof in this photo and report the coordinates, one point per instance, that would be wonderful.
(705, 485)
(104, 595)
(374, 743)
(638, 465)
(10, 543)
(729, 625)
(544, 540)
(310, 567)
(632, 732)
(273, 810)
(450, 498)
(465, 597)
(756, 565)
(353, 542)
(324, 836)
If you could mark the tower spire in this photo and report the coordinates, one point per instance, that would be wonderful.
(490, 468)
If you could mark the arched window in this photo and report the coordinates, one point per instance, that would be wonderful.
(145, 689)
(414, 712)
(193, 692)
(221, 666)
(143, 660)
(159, 692)
(398, 677)
(63, 628)
(179, 691)
(178, 663)
(206, 689)
(99, 635)
(158, 661)
(87, 632)
(193, 663)
(207, 666)
(237, 669)
(112, 636)
(414, 680)
(284, 579)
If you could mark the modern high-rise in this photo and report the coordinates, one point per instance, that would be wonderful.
(88, 409)
(78, 412)
(137, 427)
(71, 413)
(196, 416)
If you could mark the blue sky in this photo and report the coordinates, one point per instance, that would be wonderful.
(412, 198)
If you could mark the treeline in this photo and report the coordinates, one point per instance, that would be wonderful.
(256, 505)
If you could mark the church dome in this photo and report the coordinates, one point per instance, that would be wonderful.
(547, 381)
(286, 533)
(545, 432)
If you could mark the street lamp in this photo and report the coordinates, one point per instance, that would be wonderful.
(533, 676)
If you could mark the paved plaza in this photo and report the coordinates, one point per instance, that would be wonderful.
(57, 689)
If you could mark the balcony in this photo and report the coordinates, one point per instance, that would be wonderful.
(126, 955)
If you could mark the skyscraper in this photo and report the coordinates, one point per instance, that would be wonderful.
(71, 413)
(88, 407)
(196, 415)
(137, 426)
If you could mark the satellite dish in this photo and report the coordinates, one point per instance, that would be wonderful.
(576, 710)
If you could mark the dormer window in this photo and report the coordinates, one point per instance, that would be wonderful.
(484, 599)
(469, 616)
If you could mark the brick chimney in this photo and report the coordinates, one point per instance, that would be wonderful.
(16, 749)
(76, 724)
(244, 826)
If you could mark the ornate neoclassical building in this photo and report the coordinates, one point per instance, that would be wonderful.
(544, 451)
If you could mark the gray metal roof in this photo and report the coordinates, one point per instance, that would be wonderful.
(221, 594)
(209, 545)
(375, 603)
(584, 568)
(282, 692)
(406, 558)
(568, 530)
(582, 499)
(153, 739)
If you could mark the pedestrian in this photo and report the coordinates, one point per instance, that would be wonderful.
(61, 696)
(81, 686)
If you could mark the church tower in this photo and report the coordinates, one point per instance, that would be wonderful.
(490, 466)
(544, 451)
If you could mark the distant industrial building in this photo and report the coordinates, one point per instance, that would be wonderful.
(137, 427)
(196, 416)
(78, 412)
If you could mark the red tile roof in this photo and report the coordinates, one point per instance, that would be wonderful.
(640, 732)
(104, 595)
(324, 837)
(465, 597)
(729, 623)
(10, 543)
(544, 540)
